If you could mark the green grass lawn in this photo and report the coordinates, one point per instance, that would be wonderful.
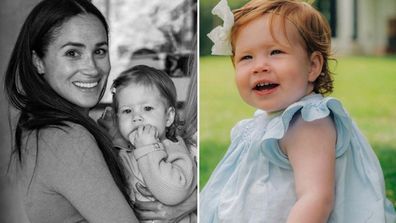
(365, 85)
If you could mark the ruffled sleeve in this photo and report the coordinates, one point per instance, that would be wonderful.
(312, 108)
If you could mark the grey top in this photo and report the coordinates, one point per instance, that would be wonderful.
(64, 178)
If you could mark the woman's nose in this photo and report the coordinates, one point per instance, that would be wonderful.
(89, 66)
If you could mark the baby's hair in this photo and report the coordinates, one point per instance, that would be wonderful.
(311, 25)
(150, 77)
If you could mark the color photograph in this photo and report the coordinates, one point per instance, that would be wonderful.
(270, 140)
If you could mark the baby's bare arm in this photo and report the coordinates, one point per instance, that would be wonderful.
(310, 147)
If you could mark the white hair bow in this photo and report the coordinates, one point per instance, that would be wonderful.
(221, 35)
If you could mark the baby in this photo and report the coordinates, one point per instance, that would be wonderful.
(301, 158)
(144, 101)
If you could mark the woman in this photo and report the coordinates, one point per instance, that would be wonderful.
(57, 72)
(64, 163)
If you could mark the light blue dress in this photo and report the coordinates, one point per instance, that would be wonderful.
(254, 181)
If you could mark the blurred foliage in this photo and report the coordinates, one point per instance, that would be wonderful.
(208, 21)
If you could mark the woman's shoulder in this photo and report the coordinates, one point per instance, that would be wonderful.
(57, 152)
(71, 140)
(68, 130)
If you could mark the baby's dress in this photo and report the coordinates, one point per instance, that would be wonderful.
(254, 182)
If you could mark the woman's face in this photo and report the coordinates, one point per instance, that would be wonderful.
(76, 63)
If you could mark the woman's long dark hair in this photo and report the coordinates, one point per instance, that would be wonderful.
(40, 106)
(189, 129)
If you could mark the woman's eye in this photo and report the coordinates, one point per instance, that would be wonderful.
(100, 51)
(148, 108)
(72, 53)
(274, 52)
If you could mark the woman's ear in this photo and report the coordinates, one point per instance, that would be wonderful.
(316, 66)
(38, 63)
(170, 116)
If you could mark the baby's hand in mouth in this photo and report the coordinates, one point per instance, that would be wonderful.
(143, 135)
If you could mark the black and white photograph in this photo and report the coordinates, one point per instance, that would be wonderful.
(99, 111)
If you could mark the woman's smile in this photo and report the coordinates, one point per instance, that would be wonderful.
(86, 85)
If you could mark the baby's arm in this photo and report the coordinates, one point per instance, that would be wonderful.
(167, 169)
(310, 147)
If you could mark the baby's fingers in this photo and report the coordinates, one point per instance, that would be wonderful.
(140, 130)
(149, 130)
(132, 137)
(148, 210)
(144, 215)
(143, 190)
(153, 206)
(153, 131)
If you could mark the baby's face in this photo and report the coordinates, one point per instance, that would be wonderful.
(272, 71)
(140, 105)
